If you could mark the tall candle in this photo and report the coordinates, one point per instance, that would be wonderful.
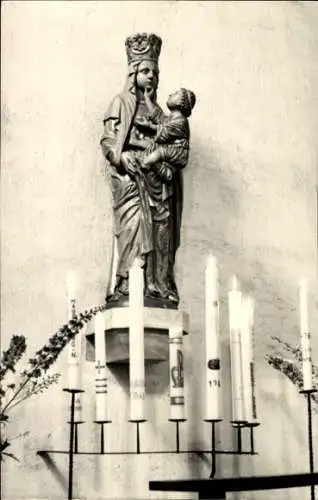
(100, 368)
(136, 342)
(74, 347)
(176, 362)
(247, 359)
(305, 335)
(212, 341)
(235, 323)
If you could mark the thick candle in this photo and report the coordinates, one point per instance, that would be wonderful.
(176, 362)
(136, 342)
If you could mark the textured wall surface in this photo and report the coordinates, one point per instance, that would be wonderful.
(250, 198)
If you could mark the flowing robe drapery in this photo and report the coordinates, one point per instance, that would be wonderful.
(133, 197)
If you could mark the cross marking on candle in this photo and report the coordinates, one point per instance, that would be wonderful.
(99, 367)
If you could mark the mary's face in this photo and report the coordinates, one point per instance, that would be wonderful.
(147, 75)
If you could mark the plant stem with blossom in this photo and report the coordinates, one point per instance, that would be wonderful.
(47, 355)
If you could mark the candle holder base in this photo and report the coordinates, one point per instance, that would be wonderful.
(177, 420)
(211, 420)
(238, 423)
(252, 424)
(72, 391)
(308, 391)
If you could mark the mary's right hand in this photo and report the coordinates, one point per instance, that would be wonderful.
(128, 163)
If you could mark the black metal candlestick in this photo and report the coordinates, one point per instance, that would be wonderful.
(138, 422)
(213, 423)
(177, 422)
(73, 392)
(251, 426)
(238, 425)
(75, 442)
(101, 424)
(308, 393)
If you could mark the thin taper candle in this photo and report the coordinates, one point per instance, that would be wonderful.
(305, 335)
(235, 325)
(100, 368)
(212, 341)
(247, 358)
(74, 347)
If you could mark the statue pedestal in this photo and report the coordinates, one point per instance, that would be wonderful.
(156, 324)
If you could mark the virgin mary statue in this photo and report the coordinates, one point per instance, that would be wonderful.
(147, 205)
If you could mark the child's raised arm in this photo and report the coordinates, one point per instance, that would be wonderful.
(148, 94)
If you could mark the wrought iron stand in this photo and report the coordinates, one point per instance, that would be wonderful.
(308, 394)
(218, 488)
(213, 452)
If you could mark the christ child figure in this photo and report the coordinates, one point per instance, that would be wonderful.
(169, 148)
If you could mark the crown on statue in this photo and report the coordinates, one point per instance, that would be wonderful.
(143, 46)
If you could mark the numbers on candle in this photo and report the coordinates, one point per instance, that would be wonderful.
(214, 383)
(138, 395)
(138, 383)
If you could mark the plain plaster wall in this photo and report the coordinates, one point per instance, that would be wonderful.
(250, 197)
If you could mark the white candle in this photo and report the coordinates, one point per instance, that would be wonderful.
(235, 323)
(136, 342)
(74, 347)
(247, 359)
(176, 362)
(305, 336)
(100, 368)
(212, 341)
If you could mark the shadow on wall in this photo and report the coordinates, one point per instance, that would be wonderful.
(52, 467)
(212, 194)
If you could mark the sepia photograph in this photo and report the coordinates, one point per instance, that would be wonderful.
(159, 234)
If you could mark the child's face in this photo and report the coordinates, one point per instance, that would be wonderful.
(174, 100)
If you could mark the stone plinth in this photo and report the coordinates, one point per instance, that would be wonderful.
(156, 324)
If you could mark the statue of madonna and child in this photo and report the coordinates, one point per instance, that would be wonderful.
(146, 151)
